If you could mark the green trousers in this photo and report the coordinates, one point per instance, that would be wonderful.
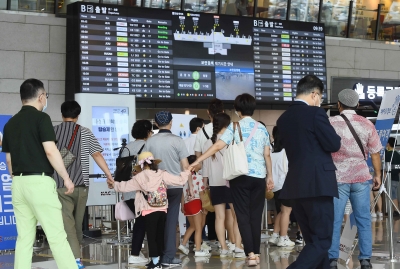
(73, 211)
(35, 199)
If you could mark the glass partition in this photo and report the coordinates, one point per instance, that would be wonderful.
(272, 9)
(207, 6)
(40, 6)
(3, 4)
(334, 16)
(62, 5)
(304, 10)
(237, 7)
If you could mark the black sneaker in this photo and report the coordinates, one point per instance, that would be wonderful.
(365, 264)
(151, 265)
(299, 238)
(333, 263)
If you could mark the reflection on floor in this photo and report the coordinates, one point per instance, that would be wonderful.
(99, 254)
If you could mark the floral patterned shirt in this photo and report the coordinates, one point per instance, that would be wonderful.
(254, 149)
(197, 187)
(349, 160)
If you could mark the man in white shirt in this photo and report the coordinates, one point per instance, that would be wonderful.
(195, 126)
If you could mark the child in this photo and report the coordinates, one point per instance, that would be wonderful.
(153, 203)
(192, 209)
(220, 193)
(283, 207)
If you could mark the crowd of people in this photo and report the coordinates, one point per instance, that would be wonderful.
(314, 166)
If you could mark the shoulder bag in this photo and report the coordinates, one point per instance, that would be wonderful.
(123, 212)
(353, 132)
(125, 165)
(235, 157)
(66, 154)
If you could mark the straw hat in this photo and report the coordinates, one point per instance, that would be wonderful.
(145, 157)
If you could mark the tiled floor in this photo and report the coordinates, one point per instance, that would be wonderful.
(99, 254)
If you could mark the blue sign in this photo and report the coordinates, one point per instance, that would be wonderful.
(8, 228)
(385, 119)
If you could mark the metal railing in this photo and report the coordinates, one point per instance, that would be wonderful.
(382, 23)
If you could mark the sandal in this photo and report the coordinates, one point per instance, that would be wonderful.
(252, 261)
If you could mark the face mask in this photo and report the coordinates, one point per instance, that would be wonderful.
(45, 106)
(237, 114)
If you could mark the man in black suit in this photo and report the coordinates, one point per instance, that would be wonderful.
(309, 139)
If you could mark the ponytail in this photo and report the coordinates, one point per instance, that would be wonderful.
(220, 121)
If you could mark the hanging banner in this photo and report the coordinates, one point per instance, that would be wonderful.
(385, 119)
(8, 228)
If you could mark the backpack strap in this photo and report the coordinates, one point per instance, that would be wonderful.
(205, 133)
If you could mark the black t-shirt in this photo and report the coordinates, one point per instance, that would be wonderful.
(395, 160)
(23, 137)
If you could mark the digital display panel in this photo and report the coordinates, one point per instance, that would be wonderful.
(109, 126)
(184, 56)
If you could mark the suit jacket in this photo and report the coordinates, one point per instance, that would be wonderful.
(309, 139)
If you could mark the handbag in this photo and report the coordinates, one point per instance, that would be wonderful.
(123, 212)
(235, 157)
(66, 154)
(205, 198)
(124, 165)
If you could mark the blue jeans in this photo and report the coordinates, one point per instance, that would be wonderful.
(358, 193)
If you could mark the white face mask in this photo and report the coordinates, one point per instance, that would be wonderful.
(237, 114)
(45, 106)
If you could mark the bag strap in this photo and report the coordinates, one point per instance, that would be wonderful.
(237, 125)
(205, 133)
(73, 137)
(354, 134)
(140, 151)
(251, 134)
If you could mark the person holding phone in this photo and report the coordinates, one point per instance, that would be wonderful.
(359, 137)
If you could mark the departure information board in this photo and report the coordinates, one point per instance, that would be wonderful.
(185, 56)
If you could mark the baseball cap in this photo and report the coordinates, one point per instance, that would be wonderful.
(348, 97)
(163, 117)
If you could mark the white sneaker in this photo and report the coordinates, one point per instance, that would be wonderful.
(141, 255)
(201, 259)
(201, 253)
(231, 246)
(373, 215)
(224, 253)
(379, 214)
(137, 260)
(204, 246)
(239, 254)
(285, 242)
(184, 249)
(274, 239)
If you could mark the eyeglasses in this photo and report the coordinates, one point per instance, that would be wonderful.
(46, 94)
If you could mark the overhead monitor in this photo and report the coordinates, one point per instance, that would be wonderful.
(176, 56)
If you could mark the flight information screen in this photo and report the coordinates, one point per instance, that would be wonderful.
(185, 56)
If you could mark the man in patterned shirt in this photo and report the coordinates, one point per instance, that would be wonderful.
(83, 144)
(353, 175)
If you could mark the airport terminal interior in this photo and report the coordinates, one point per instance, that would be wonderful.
(104, 252)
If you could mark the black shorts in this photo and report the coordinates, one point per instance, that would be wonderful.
(279, 202)
(220, 195)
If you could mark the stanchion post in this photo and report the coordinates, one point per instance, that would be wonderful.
(390, 212)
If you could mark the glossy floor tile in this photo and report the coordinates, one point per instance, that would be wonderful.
(99, 253)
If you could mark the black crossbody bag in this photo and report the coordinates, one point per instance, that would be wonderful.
(124, 165)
